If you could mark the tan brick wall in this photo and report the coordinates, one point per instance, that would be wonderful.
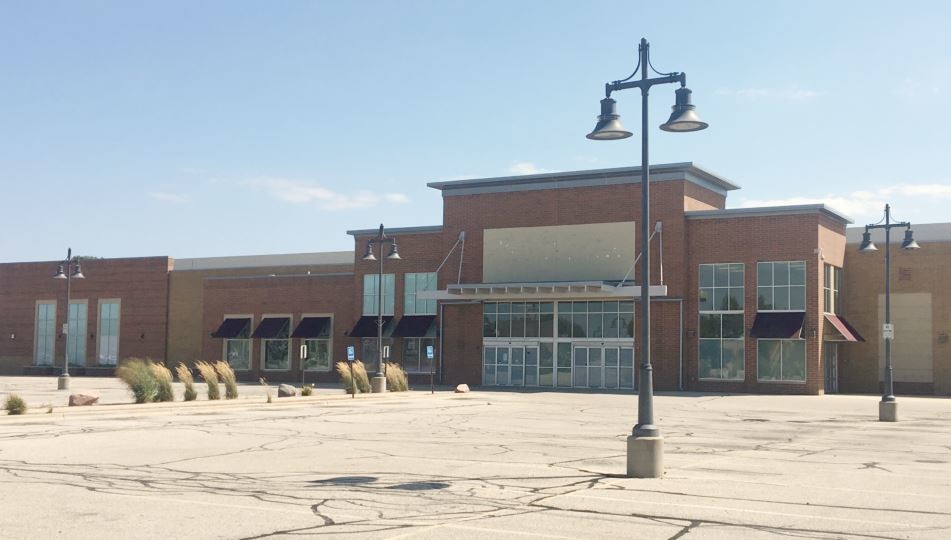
(926, 270)
(140, 283)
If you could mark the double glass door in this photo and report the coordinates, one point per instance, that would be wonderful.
(510, 365)
(602, 366)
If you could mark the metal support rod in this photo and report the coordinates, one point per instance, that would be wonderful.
(645, 389)
(888, 393)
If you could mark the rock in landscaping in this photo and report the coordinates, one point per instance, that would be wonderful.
(462, 388)
(286, 390)
(79, 400)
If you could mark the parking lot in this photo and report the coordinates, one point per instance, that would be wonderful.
(480, 465)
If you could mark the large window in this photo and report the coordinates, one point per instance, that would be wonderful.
(781, 286)
(318, 350)
(721, 322)
(414, 283)
(45, 333)
(277, 346)
(414, 354)
(781, 360)
(830, 289)
(108, 332)
(600, 319)
(518, 319)
(238, 348)
(371, 294)
(78, 312)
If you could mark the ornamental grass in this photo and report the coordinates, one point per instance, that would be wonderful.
(226, 374)
(210, 376)
(359, 376)
(163, 382)
(396, 380)
(137, 374)
(185, 376)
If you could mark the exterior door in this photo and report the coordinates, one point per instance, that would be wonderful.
(602, 366)
(510, 365)
(830, 357)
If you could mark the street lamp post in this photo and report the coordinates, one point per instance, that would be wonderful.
(69, 270)
(378, 383)
(888, 406)
(645, 449)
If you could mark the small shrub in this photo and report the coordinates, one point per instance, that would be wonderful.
(267, 389)
(163, 380)
(226, 374)
(210, 376)
(396, 380)
(14, 404)
(185, 375)
(307, 390)
(137, 374)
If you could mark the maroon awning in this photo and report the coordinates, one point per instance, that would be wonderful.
(843, 328)
(778, 325)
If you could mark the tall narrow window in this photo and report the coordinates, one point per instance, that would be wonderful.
(721, 353)
(108, 332)
(371, 294)
(45, 333)
(833, 276)
(76, 328)
(417, 283)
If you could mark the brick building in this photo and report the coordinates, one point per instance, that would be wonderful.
(528, 282)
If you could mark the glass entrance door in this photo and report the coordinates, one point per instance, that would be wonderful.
(510, 365)
(602, 366)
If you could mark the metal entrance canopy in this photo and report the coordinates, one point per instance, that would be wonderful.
(539, 291)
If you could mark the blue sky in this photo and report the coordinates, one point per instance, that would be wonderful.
(225, 127)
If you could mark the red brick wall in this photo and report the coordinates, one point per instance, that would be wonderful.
(750, 240)
(290, 294)
(140, 283)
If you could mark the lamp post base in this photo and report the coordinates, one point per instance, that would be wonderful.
(645, 457)
(887, 411)
(62, 382)
(378, 384)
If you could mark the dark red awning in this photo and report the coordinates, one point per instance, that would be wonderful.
(843, 328)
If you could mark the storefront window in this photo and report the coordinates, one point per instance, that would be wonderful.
(781, 286)
(781, 360)
(722, 336)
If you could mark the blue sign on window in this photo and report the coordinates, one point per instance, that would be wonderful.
(350, 354)
(429, 352)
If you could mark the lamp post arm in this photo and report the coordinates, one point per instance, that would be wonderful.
(645, 84)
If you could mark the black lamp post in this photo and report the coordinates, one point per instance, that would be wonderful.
(69, 270)
(378, 384)
(888, 406)
(645, 445)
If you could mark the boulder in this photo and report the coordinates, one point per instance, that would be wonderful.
(462, 388)
(79, 400)
(286, 390)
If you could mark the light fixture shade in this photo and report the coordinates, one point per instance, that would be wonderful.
(684, 117)
(867, 245)
(909, 241)
(394, 252)
(60, 273)
(77, 273)
(368, 256)
(609, 126)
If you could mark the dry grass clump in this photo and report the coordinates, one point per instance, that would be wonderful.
(396, 380)
(15, 405)
(226, 374)
(306, 390)
(137, 374)
(163, 382)
(267, 389)
(359, 377)
(185, 376)
(210, 376)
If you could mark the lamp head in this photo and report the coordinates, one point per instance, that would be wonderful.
(867, 246)
(60, 273)
(368, 256)
(683, 117)
(609, 126)
(394, 252)
(77, 272)
(909, 241)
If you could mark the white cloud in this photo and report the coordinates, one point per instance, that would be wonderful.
(526, 167)
(767, 93)
(867, 204)
(306, 192)
(169, 197)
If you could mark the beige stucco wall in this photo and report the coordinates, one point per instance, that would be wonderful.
(911, 349)
(597, 251)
